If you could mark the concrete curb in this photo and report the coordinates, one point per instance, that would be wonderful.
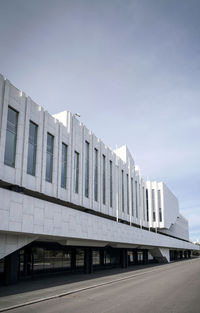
(81, 289)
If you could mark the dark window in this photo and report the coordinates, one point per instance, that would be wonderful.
(136, 198)
(153, 205)
(111, 186)
(132, 197)
(127, 182)
(64, 166)
(87, 150)
(104, 180)
(122, 191)
(76, 172)
(147, 205)
(95, 174)
(49, 158)
(159, 206)
(32, 148)
(11, 137)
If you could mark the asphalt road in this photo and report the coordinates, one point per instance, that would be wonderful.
(170, 289)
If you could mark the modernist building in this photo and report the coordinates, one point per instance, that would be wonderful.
(68, 202)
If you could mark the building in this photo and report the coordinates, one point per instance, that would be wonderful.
(70, 203)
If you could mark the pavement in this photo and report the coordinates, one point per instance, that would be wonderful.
(73, 293)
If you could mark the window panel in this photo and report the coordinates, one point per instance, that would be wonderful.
(49, 157)
(11, 137)
(64, 166)
(32, 148)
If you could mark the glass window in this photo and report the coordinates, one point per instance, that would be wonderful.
(122, 191)
(64, 166)
(76, 171)
(49, 157)
(127, 183)
(96, 257)
(153, 205)
(11, 137)
(111, 185)
(104, 179)
(32, 148)
(159, 206)
(132, 197)
(147, 205)
(95, 174)
(87, 147)
(143, 203)
(136, 198)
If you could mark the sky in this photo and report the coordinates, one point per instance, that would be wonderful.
(130, 68)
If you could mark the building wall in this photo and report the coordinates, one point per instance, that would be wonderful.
(66, 128)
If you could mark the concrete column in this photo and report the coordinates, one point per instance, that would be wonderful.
(73, 258)
(11, 268)
(124, 258)
(88, 268)
(135, 257)
(145, 256)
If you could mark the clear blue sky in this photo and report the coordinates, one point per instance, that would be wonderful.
(130, 68)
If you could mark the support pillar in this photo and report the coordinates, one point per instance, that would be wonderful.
(73, 258)
(88, 268)
(189, 254)
(135, 257)
(124, 258)
(145, 256)
(11, 268)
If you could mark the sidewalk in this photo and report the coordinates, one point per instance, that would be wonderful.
(44, 288)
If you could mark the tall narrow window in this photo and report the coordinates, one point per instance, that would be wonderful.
(153, 205)
(104, 179)
(76, 171)
(132, 197)
(64, 166)
(87, 150)
(122, 191)
(127, 184)
(32, 148)
(143, 203)
(95, 174)
(147, 204)
(136, 198)
(159, 206)
(11, 137)
(49, 157)
(111, 185)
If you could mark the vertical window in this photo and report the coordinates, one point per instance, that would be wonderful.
(87, 150)
(132, 201)
(147, 204)
(95, 174)
(143, 202)
(159, 206)
(11, 137)
(32, 148)
(111, 185)
(49, 157)
(127, 183)
(153, 205)
(122, 191)
(136, 198)
(76, 171)
(104, 179)
(64, 166)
